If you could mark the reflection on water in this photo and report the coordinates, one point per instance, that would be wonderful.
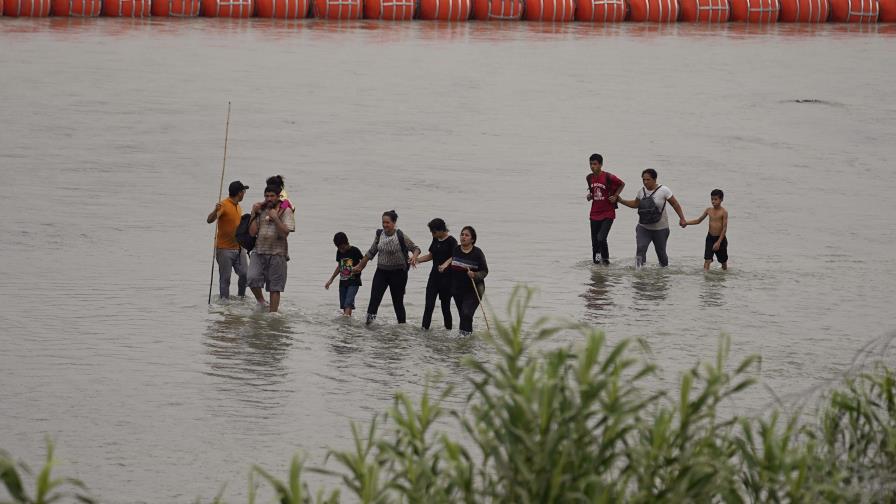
(651, 285)
(713, 290)
(598, 295)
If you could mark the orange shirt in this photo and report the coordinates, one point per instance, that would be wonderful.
(228, 220)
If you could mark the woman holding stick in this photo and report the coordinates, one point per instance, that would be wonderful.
(468, 271)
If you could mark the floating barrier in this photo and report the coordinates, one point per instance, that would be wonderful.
(654, 11)
(126, 8)
(338, 9)
(804, 11)
(854, 11)
(445, 10)
(26, 8)
(77, 8)
(550, 10)
(887, 11)
(704, 11)
(496, 10)
(228, 8)
(175, 8)
(283, 9)
(393, 10)
(755, 11)
(601, 11)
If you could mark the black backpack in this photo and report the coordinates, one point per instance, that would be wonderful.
(243, 237)
(648, 212)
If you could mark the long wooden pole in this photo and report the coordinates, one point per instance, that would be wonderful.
(481, 305)
(220, 195)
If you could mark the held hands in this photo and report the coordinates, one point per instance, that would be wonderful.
(613, 198)
(413, 262)
(683, 223)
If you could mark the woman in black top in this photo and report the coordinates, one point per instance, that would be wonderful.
(439, 283)
(468, 267)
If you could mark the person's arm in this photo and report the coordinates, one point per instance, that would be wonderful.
(333, 276)
(698, 220)
(674, 202)
(590, 195)
(632, 203)
(415, 250)
(212, 217)
(724, 230)
(253, 220)
(282, 223)
(483, 268)
(371, 253)
(615, 196)
(444, 265)
(425, 258)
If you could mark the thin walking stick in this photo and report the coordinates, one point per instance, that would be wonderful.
(220, 195)
(480, 304)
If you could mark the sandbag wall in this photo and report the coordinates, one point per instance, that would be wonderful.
(553, 11)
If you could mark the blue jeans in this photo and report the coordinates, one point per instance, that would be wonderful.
(347, 296)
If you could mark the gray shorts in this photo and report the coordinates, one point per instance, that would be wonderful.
(268, 271)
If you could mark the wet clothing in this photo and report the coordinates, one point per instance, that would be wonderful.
(228, 260)
(644, 237)
(391, 271)
(228, 220)
(721, 254)
(466, 299)
(439, 283)
(347, 295)
(600, 250)
(268, 271)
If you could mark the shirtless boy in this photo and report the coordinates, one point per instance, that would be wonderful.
(716, 242)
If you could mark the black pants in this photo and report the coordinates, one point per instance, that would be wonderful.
(599, 231)
(467, 303)
(395, 281)
(438, 286)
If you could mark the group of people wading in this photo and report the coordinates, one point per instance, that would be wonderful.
(458, 271)
(604, 191)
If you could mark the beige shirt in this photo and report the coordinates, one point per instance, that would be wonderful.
(269, 240)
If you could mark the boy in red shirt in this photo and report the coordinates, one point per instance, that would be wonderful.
(603, 191)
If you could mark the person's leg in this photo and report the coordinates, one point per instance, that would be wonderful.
(256, 276)
(432, 292)
(445, 298)
(722, 253)
(467, 310)
(595, 246)
(276, 280)
(350, 292)
(398, 281)
(224, 258)
(377, 290)
(707, 251)
(642, 239)
(602, 244)
(242, 273)
(660, 237)
(343, 293)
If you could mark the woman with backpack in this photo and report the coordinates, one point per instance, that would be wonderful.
(392, 267)
(653, 221)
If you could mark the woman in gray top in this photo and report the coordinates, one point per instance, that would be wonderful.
(392, 266)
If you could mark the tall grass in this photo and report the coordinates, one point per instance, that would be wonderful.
(578, 424)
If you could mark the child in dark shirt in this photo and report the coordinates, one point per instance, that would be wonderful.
(347, 257)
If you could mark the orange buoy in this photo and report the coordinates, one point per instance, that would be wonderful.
(854, 11)
(550, 10)
(887, 11)
(804, 11)
(601, 11)
(704, 11)
(77, 8)
(283, 9)
(655, 11)
(755, 11)
(26, 8)
(495, 10)
(126, 8)
(446, 10)
(175, 8)
(393, 10)
(338, 9)
(228, 8)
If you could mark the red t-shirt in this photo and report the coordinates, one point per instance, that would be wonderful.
(601, 189)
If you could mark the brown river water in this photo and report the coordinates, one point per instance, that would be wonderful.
(111, 145)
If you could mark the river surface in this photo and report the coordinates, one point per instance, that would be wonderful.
(111, 146)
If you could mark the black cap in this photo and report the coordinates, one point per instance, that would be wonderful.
(237, 187)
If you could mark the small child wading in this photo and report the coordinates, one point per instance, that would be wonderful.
(716, 241)
(347, 257)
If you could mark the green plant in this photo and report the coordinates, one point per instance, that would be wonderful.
(46, 488)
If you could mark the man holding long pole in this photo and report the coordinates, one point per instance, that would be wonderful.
(228, 253)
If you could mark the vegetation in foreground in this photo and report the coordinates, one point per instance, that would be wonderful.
(575, 424)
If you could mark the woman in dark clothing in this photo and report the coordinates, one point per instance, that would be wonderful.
(439, 283)
(393, 247)
(468, 267)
